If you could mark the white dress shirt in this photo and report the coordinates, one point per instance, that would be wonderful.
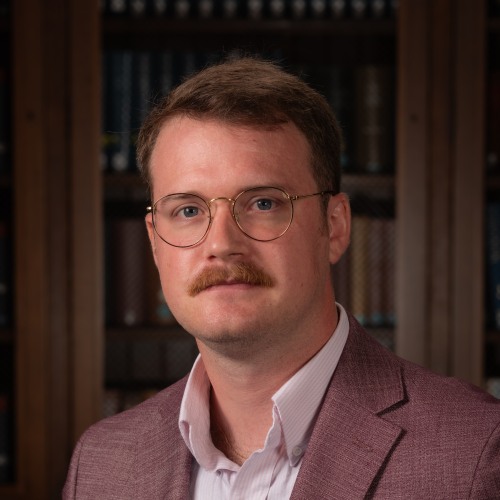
(269, 473)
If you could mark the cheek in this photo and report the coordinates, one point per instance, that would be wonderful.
(172, 270)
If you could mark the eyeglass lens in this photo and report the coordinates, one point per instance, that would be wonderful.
(182, 219)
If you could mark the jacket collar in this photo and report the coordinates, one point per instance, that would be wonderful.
(349, 445)
(351, 441)
(162, 457)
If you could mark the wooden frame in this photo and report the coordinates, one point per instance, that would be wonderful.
(58, 318)
(468, 191)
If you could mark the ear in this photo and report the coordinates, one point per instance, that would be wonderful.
(339, 225)
(151, 234)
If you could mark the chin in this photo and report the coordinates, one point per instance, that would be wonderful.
(233, 343)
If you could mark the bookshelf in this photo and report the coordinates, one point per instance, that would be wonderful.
(491, 225)
(441, 51)
(145, 53)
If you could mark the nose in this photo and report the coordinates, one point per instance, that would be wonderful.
(224, 237)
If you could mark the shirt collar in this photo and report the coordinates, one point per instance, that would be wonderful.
(299, 399)
(296, 402)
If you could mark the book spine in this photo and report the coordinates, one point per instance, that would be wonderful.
(157, 310)
(493, 122)
(377, 284)
(493, 262)
(147, 358)
(128, 251)
(341, 97)
(4, 121)
(359, 268)
(118, 115)
(5, 266)
(389, 238)
(374, 119)
(341, 280)
(6, 443)
(138, 8)
(116, 7)
(140, 99)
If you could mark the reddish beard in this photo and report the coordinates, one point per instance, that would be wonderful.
(241, 272)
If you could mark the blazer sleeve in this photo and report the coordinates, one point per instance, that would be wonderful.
(486, 481)
(69, 491)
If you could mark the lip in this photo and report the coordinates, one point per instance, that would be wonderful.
(233, 285)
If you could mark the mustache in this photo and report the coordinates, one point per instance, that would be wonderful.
(241, 272)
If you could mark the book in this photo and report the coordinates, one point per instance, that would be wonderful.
(340, 94)
(376, 262)
(359, 9)
(147, 361)
(183, 9)
(179, 355)
(493, 122)
(6, 439)
(141, 98)
(255, 9)
(128, 246)
(138, 8)
(206, 9)
(117, 94)
(360, 284)
(157, 310)
(338, 9)
(389, 238)
(341, 280)
(374, 122)
(4, 121)
(159, 8)
(493, 263)
(161, 74)
(5, 278)
(116, 7)
(117, 361)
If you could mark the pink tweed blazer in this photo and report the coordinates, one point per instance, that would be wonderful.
(387, 429)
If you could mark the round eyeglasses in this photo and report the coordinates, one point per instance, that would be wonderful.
(262, 213)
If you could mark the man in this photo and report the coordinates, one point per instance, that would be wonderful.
(289, 398)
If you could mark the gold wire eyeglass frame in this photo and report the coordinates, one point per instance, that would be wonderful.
(232, 201)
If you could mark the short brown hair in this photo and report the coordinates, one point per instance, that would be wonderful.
(251, 92)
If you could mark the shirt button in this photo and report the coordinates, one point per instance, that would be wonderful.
(297, 451)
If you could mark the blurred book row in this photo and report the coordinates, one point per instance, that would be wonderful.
(145, 364)
(361, 96)
(5, 265)
(364, 277)
(253, 9)
(492, 292)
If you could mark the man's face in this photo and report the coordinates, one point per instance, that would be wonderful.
(212, 159)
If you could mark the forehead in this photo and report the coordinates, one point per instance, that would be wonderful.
(192, 154)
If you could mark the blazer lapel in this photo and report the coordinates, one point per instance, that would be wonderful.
(163, 460)
(351, 441)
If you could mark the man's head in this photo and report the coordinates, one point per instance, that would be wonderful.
(241, 269)
(252, 92)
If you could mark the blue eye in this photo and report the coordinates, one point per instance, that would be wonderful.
(264, 204)
(189, 212)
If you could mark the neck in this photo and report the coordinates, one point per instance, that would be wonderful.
(242, 389)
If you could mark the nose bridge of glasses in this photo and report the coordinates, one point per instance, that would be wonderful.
(231, 202)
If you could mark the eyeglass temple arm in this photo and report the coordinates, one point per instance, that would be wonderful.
(299, 196)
